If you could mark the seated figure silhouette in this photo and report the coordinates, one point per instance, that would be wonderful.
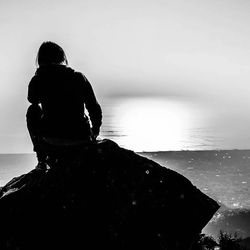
(59, 96)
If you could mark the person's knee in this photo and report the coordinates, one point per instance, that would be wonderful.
(34, 112)
(33, 117)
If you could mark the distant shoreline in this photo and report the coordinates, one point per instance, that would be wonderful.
(186, 151)
(153, 152)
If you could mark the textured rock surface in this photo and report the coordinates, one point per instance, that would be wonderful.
(102, 197)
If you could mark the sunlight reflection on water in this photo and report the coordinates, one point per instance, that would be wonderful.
(161, 124)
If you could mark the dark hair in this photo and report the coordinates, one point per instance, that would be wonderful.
(50, 53)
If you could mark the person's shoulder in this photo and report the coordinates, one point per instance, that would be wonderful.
(37, 76)
(80, 76)
(34, 79)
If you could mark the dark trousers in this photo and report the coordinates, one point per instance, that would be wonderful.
(34, 125)
(78, 130)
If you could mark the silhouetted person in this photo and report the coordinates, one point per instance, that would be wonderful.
(58, 97)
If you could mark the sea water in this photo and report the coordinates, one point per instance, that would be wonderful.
(171, 123)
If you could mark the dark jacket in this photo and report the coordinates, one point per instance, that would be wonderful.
(63, 94)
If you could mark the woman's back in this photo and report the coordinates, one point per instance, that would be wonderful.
(60, 91)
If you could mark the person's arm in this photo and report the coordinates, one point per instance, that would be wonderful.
(93, 107)
(33, 91)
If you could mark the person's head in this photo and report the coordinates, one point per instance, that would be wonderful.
(50, 53)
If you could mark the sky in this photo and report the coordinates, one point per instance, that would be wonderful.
(194, 49)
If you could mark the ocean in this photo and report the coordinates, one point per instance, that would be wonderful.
(206, 143)
(171, 123)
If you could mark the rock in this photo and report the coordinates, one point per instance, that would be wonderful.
(245, 243)
(102, 197)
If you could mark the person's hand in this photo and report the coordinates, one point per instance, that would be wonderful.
(95, 132)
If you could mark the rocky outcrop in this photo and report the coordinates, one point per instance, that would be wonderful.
(102, 196)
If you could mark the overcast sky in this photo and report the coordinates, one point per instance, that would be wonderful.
(187, 48)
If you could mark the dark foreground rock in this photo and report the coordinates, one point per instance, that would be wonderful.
(102, 197)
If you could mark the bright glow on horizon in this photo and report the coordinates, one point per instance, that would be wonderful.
(152, 124)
